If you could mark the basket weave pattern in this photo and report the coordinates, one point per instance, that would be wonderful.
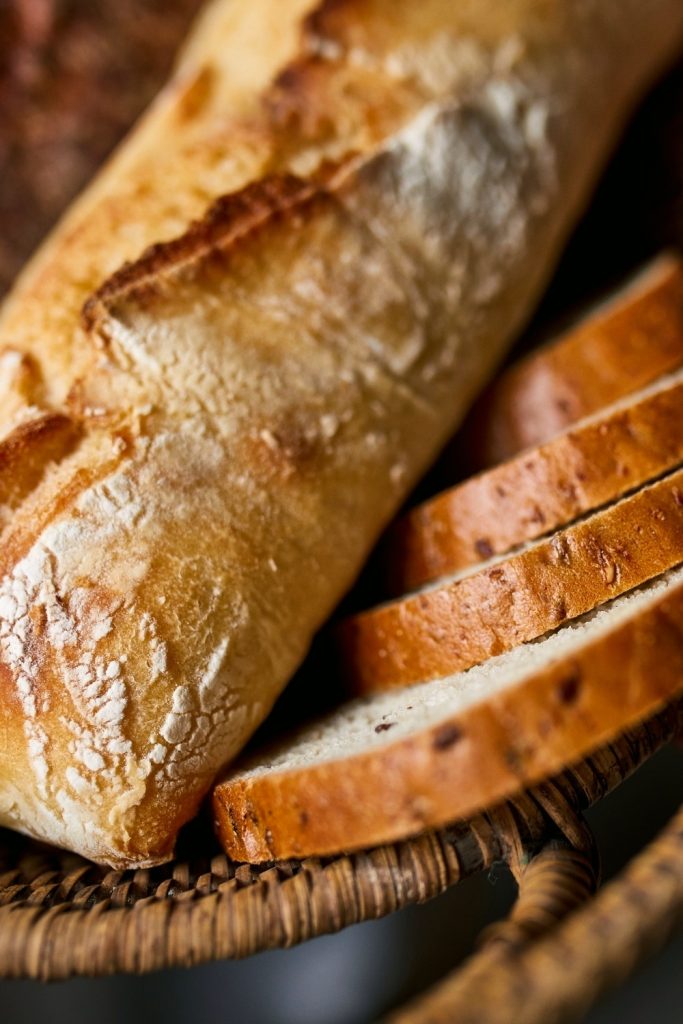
(61, 916)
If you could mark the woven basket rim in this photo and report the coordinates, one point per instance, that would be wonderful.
(61, 916)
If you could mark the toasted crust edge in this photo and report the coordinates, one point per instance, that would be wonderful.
(536, 492)
(463, 622)
(632, 342)
(469, 760)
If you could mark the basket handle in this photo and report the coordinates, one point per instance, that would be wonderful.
(532, 969)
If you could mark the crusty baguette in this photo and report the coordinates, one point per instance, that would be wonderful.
(622, 347)
(255, 397)
(464, 619)
(596, 462)
(387, 767)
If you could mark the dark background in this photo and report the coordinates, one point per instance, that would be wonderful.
(73, 75)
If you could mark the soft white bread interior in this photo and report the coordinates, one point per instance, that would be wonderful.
(252, 399)
(389, 766)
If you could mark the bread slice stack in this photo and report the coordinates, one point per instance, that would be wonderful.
(550, 611)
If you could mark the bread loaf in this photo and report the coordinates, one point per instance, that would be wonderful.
(593, 464)
(389, 766)
(388, 186)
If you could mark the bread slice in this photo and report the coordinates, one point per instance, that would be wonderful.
(390, 766)
(623, 346)
(473, 616)
(600, 460)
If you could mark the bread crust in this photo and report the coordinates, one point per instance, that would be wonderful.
(455, 625)
(612, 353)
(538, 491)
(468, 761)
(27, 453)
(256, 395)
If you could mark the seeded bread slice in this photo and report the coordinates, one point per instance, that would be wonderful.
(390, 766)
(597, 462)
(623, 346)
(473, 616)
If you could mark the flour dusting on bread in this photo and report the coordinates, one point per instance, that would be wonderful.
(263, 320)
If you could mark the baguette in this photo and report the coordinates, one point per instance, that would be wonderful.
(597, 462)
(622, 347)
(387, 767)
(469, 617)
(255, 396)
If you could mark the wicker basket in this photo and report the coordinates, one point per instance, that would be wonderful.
(61, 916)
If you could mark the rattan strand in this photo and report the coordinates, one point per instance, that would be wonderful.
(556, 980)
(60, 916)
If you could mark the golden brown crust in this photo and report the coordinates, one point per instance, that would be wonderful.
(258, 397)
(228, 221)
(456, 625)
(609, 355)
(20, 385)
(536, 492)
(466, 762)
(28, 451)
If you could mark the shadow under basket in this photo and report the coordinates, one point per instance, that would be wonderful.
(558, 951)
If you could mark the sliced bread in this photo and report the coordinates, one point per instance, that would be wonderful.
(623, 346)
(472, 616)
(598, 461)
(390, 766)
